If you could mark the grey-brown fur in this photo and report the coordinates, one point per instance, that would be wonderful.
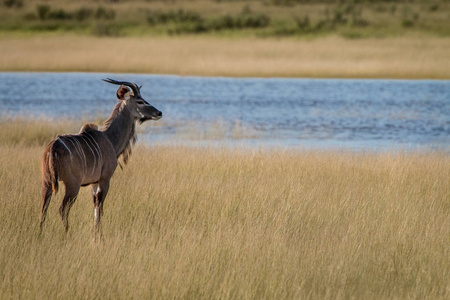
(91, 156)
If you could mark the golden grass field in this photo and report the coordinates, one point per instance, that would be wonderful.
(211, 223)
(210, 56)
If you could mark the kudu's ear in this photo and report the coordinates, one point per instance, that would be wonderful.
(123, 93)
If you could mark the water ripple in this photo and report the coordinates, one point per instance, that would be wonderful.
(286, 112)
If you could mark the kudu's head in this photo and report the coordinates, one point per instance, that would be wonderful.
(140, 109)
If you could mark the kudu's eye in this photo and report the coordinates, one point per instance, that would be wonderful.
(140, 102)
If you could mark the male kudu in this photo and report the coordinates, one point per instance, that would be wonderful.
(91, 156)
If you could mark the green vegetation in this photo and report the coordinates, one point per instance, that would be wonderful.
(287, 38)
(192, 22)
(347, 18)
(45, 12)
(207, 223)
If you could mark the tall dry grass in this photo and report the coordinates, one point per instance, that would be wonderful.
(33, 132)
(202, 223)
(327, 57)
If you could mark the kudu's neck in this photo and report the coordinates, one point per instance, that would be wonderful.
(120, 129)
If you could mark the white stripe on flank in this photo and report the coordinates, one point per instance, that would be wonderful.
(62, 142)
(97, 147)
(82, 151)
(93, 154)
(78, 151)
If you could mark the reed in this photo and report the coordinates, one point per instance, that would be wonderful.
(209, 56)
(204, 223)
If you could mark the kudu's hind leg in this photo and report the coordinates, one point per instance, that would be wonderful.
(46, 197)
(99, 192)
(68, 201)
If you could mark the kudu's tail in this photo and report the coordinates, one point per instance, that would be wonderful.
(49, 180)
(50, 168)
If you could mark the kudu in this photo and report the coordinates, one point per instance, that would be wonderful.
(91, 156)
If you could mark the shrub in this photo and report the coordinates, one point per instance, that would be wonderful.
(188, 27)
(13, 3)
(192, 22)
(409, 18)
(103, 13)
(223, 22)
(434, 7)
(407, 23)
(240, 21)
(83, 13)
(158, 17)
(59, 14)
(43, 11)
(187, 16)
(303, 24)
(254, 21)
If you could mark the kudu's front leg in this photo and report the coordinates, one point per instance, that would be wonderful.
(99, 192)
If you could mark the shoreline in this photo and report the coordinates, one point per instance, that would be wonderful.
(231, 76)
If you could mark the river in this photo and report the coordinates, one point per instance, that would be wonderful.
(304, 113)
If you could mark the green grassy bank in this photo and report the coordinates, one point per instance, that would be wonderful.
(337, 39)
(264, 18)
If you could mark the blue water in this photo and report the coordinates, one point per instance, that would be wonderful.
(317, 113)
